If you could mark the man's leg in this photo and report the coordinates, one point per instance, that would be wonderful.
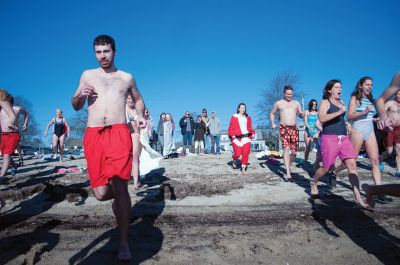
(207, 144)
(237, 151)
(287, 161)
(21, 158)
(397, 158)
(6, 165)
(213, 144)
(386, 189)
(245, 156)
(122, 207)
(217, 138)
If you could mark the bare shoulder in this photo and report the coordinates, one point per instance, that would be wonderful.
(324, 103)
(125, 75)
(390, 103)
(89, 74)
(279, 103)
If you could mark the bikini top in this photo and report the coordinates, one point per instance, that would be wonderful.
(365, 102)
(312, 119)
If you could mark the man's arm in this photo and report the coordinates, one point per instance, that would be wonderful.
(26, 118)
(299, 110)
(82, 93)
(272, 115)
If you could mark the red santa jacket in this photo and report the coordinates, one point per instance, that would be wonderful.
(234, 127)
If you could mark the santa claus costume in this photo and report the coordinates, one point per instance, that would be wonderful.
(240, 132)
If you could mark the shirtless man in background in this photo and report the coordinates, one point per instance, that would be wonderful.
(107, 141)
(6, 121)
(11, 136)
(389, 121)
(392, 110)
(288, 109)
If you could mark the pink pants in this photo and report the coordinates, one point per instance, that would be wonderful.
(243, 151)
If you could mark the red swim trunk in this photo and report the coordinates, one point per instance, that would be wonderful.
(289, 136)
(9, 142)
(108, 153)
(392, 137)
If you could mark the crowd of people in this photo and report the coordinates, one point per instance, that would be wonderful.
(341, 136)
(120, 133)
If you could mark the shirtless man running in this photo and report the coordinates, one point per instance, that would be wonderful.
(392, 109)
(107, 141)
(7, 123)
(11, 137)
(288, 109)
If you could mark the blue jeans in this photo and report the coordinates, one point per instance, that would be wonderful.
(206, 143)
(187, 138)
(215, 143)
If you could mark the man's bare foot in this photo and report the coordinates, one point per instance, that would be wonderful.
(124, 253)
(369, 197)
(314, 189)
(2, 203)
(244, 169)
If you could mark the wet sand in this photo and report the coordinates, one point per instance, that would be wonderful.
(197, 210)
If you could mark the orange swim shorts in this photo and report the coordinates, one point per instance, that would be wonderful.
(108, 153)
(9, 142)
(289, 136)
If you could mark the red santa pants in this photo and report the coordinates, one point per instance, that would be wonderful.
(243, 151)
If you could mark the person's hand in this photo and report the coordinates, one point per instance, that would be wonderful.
(384, 123)
(88, 91)
(12, 127)
(141, 122)
(24, 128)
(342, 109)
(368, 109)
(273, 125)
(45, 134)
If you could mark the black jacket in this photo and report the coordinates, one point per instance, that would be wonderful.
(183, 125)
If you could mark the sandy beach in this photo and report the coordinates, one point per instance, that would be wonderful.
(197, 210)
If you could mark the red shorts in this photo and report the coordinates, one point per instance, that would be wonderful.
(392, 137)
(289, 136)
(108, 153)
(9, 142)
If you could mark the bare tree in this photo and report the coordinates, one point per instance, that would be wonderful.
(32, 136)
(78, 123)
(274, 92)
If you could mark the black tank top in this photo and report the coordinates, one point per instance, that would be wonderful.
(336, 126)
